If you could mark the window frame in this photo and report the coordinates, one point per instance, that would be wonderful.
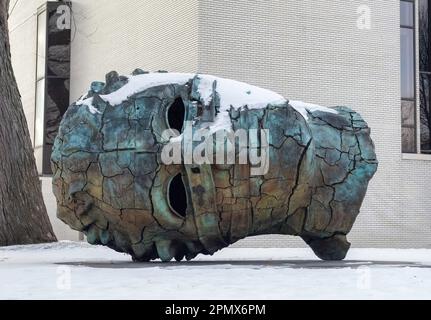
(417, 155)
(39, 149)
(56, 86)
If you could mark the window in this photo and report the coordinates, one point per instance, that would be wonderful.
(408, 95)
(425, 75)
(52, 78)
(416, 77)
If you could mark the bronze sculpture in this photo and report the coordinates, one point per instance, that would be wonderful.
(112, 183)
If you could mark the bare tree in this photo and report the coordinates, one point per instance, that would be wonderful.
(23, 217)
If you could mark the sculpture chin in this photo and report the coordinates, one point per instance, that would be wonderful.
(111, 183)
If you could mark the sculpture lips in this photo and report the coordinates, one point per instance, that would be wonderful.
(168, 250)
(92, 233)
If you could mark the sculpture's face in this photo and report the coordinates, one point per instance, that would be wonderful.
(111, 184)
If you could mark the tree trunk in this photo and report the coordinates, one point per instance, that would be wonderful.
(23, 217)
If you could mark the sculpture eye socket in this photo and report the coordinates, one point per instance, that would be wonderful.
(176, 114)
(177, 196)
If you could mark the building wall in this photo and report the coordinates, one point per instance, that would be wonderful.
(119, 35)
(311, 50)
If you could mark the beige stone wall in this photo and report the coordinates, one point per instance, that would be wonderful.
(313, 50)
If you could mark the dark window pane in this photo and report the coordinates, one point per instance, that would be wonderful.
(407, 14)
(425, 116)
(408, 114)
(408, 140)
(58, 55)
(55, 106)
(424, 36)
(407, 64)
(408, 117)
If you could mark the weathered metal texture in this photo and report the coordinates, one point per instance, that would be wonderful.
(111, 184)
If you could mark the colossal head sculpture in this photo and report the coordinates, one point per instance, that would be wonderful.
(123, 178)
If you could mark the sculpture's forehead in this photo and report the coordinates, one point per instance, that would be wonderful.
(202, 88)
(232, 93)
(128, 115)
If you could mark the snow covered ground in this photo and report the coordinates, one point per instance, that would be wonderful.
(70, 270)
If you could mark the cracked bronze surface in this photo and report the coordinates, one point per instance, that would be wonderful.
(110, 183)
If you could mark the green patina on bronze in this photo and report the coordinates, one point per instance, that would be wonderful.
(111, 184)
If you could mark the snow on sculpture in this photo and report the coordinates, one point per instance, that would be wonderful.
(112, 182)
